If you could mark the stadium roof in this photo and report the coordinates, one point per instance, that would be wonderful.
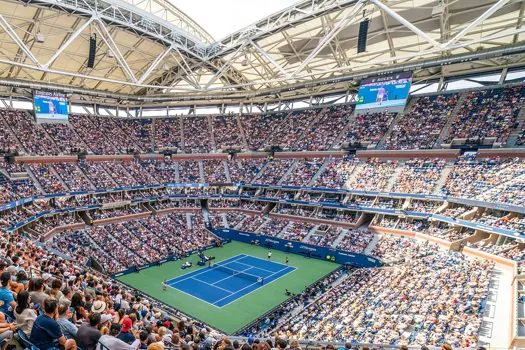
(151, 48)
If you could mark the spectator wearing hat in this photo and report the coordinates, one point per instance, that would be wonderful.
(46, 333)
(125, 332)
(99, 306)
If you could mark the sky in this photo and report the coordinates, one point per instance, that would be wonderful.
(223, 17)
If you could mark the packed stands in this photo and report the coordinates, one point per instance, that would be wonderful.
(374, 176)
(324, 131)
(226, 132)
(292, 129)
(258, 128)
(197, 135)
(488, 113)
(420, 127)
(419, 176)
(369, 128)
(373, 306)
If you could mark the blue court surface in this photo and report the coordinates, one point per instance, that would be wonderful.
(229, 280)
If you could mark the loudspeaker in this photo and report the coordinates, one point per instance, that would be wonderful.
(363, 34)
(92, 51)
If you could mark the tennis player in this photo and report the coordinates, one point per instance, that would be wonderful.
(286, 261)
(269, 254)
(164, 285)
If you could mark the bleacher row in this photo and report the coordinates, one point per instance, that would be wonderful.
(483, 115)
(328, 227)
(491, 179)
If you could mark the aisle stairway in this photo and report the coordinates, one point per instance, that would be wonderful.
(445, 131)
(514, 135)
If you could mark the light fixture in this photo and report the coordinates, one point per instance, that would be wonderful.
(40, 37)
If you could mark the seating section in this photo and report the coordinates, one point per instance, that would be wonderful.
(489, 179)
(226, 132)
(197, 135)
(488, 113)
(484, 116)
(421, 126)
(325, 129)
(419, 176)
(258, 128)
(369, 128)
(374, 176)
(387, 307)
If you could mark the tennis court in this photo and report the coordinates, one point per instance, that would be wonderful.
(234, 314)
(229, 280)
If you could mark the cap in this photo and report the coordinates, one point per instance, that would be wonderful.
(105, 318)
(126, 324)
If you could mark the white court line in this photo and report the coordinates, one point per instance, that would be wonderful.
(270, 260)
(251, 285)
(253, 267)
(264, 285)
(230, 276)
(204, 270)
(193, 296)
(210, 284)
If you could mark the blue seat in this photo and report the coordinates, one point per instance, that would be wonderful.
(24, 341)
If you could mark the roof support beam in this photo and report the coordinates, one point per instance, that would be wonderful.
(153, 65)
(68, 42)
(188, 76)
(270, 58)
(106, 37)
(406, 23)
(520, 22)
(12, 34)
(226, 65)
(475, 23)
(388, 36)
(350, 15)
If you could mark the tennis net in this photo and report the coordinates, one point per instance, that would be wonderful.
(241, 274)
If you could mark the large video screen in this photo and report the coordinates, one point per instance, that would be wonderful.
(50, 106)
(384, 92)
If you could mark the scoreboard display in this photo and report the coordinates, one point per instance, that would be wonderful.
(384, 92)
(50, 106)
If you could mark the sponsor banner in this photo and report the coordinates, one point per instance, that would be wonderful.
(310, 250)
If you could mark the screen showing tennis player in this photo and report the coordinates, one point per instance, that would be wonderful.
(384, 92)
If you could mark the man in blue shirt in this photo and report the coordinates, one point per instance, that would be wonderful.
(6, 296)
(46, 333)
(69, 329)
